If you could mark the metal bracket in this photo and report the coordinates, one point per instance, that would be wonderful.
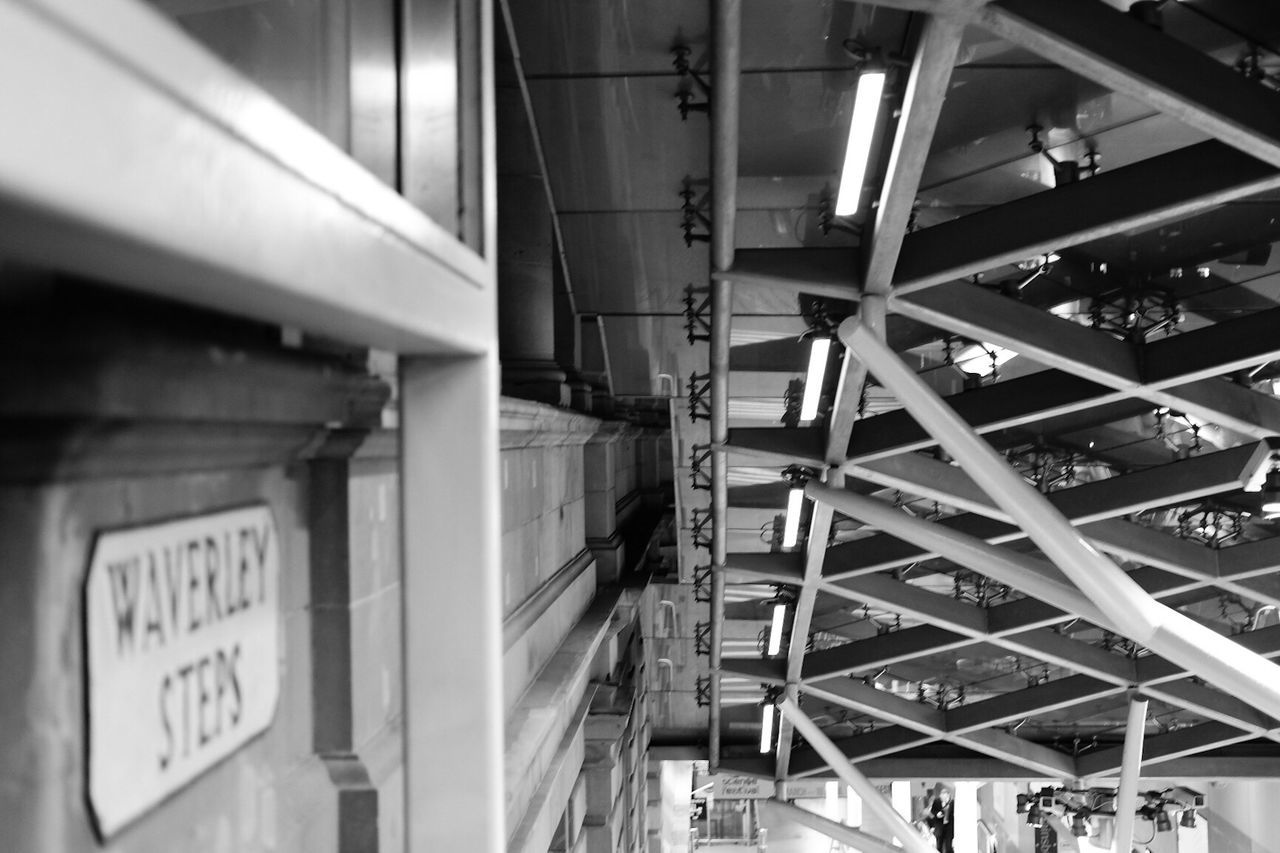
(701, 520)
(702, 690)
(699, 478)
(876, 56)
(797, 475)
(692, 214)
(702, 639)
(697, 314)
(699, 396)
(828, 221)
(702, 583)
(792, 401)
(1064, 171)
(689, 79)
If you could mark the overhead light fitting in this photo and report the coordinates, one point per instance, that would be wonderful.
(866, 110)
(766, 729)
(818, 352)
(791, 529)
(1080, 824)
(1033, 816)
(1188, 819)
(1163, 824)
(775, 630)
(1271, 494)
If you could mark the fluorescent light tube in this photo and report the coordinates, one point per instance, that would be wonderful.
(766, 729)
(813, 381)
(791, 529)
(775, 630)
(866, 109)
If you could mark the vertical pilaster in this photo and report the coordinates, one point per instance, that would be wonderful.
(452, 604)
(600, 467)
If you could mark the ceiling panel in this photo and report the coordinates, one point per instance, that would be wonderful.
(631, 261)
(587, 37)
(798, 34)
(618, 143)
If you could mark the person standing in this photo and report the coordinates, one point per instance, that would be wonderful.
(942, 820)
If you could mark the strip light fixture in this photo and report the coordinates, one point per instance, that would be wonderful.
(766, 728)
(866, 110)
(775, 630)
(791, 528)
(813, 381)
(1271, 494)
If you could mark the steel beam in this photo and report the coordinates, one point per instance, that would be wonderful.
(820, 271)
(1092, 506)
(1172, 483)
(764, 671)
(1168, 366)
(929, 765)
(1206, 654)
(1031, 701)
(1262, 641)
(931, 721)
(1221, 348)
(884, 650)
(1180, 743)
(927, 85)
(959, 725)
(1012, 403)
(1024, 621)
(872, 800)
(1133, 197)
(933, 58)
(932, 64)
(1250, 559)
(772, 567)
(776, 445)
(857, 696)
(815, 553)
(941, 611)
(1177, 482)
(1127, 56)
(846, 835)
(1035, 577)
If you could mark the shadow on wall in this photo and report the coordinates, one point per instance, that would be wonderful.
(1226, 837)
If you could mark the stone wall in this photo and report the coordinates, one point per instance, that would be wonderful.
(576, 726)
(120, 411)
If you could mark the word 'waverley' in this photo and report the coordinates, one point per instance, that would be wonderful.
(182, 622)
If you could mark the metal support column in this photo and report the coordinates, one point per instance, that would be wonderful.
(726, 45)
(872, 799)
(1130, 770)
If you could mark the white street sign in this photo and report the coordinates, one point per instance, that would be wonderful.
(182, 626)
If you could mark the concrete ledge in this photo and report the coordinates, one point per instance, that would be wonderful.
(530, 652)
(536, 832)
(529, 610)
(535, 727)
(527, 424)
